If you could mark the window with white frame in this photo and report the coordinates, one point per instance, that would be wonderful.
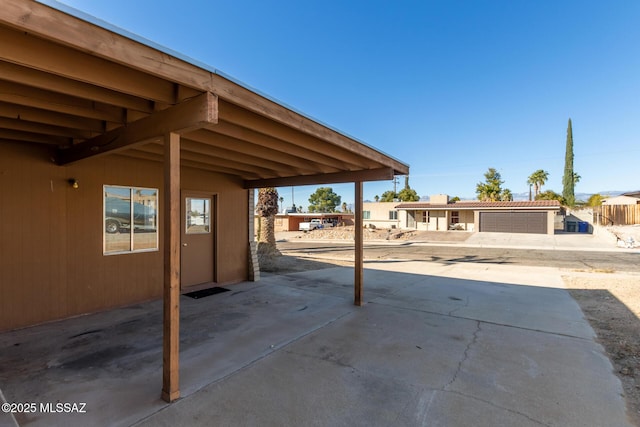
(130, 219)
(366, 214)
(393, 214)
(455, 217)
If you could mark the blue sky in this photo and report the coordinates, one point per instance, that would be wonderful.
(449, 87)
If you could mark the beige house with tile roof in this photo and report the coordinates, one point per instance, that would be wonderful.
(511, 217)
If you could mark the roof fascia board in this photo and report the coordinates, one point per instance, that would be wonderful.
(328, 178)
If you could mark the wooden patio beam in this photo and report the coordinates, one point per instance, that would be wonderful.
(196, 113)
(171, 289)
(327, 178)
(359, 246)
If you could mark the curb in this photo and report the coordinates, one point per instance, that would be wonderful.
(467, 245)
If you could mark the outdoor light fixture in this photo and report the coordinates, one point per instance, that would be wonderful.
(74, 183)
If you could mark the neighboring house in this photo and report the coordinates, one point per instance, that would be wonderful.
(291, 221)
(619, 210)
(621, 200)
(380, 215)
(513, 217)
(99, 126)
(635, 194)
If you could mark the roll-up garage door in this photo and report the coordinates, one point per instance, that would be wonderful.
(514, 222)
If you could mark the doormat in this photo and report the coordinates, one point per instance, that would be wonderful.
(206, 292)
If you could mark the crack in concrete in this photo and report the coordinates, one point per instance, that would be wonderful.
(465, 356)
(424, 413)
(488, 322)
(466, 304)
(511, 411)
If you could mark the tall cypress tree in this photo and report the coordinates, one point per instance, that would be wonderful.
(568, 183)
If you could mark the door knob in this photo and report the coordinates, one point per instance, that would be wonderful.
(184, 244)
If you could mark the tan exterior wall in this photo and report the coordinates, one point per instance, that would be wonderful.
(438, 220)
(51, 235)
(379, 214)
(621, 200)
(466, 220)
(551, 222)
(439, 199)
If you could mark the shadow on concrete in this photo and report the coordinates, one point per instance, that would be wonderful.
(288, 264)
(430, 346)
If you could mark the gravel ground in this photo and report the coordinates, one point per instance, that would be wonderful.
(611, 304)
(625, 232)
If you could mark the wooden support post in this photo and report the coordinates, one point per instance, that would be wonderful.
(171, 317)
(359, 250)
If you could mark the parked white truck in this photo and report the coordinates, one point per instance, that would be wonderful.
(314, 223)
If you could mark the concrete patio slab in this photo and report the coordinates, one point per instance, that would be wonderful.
(435, 344)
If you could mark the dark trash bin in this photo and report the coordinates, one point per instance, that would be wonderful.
(583, 227)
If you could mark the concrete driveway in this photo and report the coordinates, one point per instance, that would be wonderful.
(437, 345)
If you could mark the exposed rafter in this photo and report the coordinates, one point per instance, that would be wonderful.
(195, 113)
(39, 79)
(35, 115)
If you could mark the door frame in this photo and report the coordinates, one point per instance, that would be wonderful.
(184, 193)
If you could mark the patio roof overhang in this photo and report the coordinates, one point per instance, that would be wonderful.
(84, 89)
(87, 91)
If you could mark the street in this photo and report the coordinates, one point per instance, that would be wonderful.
(578, 260)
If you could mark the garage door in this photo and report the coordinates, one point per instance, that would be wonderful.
(514, 222)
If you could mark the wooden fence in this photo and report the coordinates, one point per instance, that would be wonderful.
(616, 214)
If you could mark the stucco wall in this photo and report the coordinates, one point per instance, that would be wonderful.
(438, 220)
(621, 200)
(379, 214)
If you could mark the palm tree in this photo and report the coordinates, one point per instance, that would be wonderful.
(491, 189)
(576, 178)
(506, 195)
(538, 179)
(267, 208)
